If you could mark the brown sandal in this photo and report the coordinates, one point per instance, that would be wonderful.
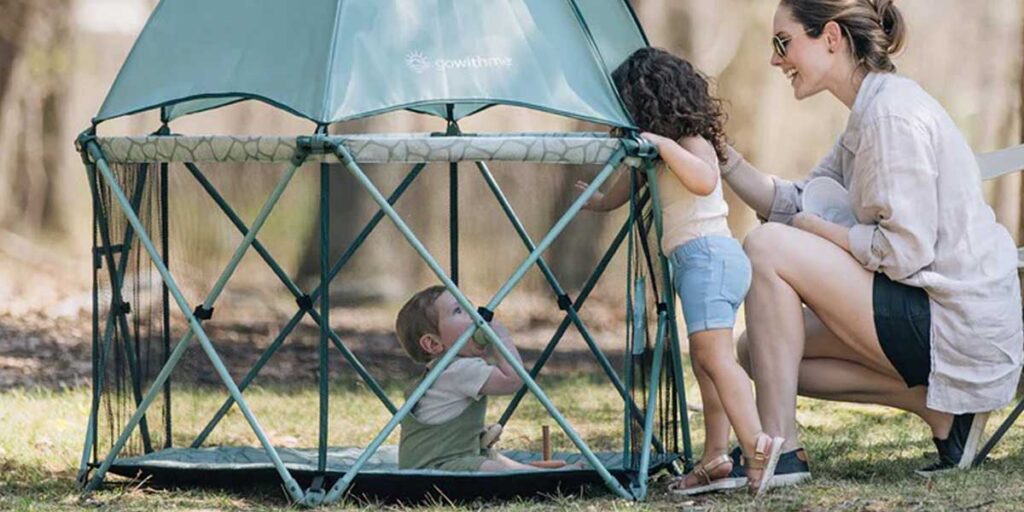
(705, 483)
(765, 458)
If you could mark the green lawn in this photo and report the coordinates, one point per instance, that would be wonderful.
(862, 457)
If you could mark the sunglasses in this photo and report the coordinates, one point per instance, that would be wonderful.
(781, 44)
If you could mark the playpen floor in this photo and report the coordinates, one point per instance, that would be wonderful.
(380, 476)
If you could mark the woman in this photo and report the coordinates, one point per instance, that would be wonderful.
(915, 307)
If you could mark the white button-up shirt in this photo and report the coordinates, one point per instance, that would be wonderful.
(915, 188)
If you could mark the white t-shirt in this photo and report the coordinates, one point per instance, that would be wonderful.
(455, 389)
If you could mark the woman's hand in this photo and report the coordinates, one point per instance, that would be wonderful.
(811, 223)
(808, 222)
(595, 202)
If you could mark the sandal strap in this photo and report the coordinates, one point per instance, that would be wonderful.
(760, 458)
(703, 471)
(714, 463)
(703, 478)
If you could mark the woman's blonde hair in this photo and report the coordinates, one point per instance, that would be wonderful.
(874, 28)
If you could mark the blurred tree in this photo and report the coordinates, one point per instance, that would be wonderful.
(33, 70)
(12, 30)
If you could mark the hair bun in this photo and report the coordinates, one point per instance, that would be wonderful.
(891, 20)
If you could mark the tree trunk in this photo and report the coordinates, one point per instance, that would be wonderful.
(33, 72)
(12, 30)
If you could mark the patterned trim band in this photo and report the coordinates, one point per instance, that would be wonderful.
(555, 148)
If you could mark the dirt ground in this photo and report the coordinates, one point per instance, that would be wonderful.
(46, 331)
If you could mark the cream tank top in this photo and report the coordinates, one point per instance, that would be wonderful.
(687, 216)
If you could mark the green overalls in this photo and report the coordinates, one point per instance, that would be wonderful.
(451, 446)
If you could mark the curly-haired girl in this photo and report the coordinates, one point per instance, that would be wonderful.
(670, 102)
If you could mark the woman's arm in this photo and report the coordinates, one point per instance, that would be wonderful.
(692, 160)
(897, 189)
(752, 186)
(775, 199)
(811, 223)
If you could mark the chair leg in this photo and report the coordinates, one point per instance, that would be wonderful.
(999, 433)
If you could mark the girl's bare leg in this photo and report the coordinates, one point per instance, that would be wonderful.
(716, 423)
(713, 351)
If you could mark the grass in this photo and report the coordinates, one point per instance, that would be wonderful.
(862, 456)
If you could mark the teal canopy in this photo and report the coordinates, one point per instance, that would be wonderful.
(337, 60)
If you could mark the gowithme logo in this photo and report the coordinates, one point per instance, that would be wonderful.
(420, 63)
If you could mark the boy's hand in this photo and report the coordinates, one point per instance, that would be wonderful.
(596, 202)
(503, 379)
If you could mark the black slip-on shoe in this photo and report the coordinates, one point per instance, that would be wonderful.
(958, 449)
(793, 468)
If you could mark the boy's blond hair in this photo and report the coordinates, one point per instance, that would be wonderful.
(417, 318)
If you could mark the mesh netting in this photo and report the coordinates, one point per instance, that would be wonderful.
(137, 324)
(649, 301)
(130, 313)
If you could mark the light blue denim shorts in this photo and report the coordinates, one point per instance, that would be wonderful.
(711, 275)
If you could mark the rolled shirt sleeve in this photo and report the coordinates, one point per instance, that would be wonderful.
(788, 199)
(894, 194)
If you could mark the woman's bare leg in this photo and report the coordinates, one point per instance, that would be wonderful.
(791, 268)
(830, 371)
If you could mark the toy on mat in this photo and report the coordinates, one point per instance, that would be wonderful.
(547, 461)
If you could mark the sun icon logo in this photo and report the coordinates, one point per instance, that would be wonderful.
(417, 61)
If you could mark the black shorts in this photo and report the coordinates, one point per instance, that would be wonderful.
(903, 323)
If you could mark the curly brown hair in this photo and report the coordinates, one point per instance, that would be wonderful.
(666, 95)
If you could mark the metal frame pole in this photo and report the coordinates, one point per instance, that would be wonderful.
(325, 311)
(640, 491)
(116, 315)
(341, 485)
(293, 288)
(668, 293)
(196, 329)
(998, 434)
(549, 349)
(556, 287)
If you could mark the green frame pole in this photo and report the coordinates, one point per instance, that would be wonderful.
(115, 316)
(196, 329)
(453, 198)
(165, 308)
(627, 361)
(293, 288)
(640, 490)
(668, 293)
(549, 349)
(88, 450)
(559, 292)
(325, 312)
(341, 485)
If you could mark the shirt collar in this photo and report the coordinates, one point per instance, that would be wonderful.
(869, 89)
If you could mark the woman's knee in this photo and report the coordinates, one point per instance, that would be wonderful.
(743, 352)
(763, 244)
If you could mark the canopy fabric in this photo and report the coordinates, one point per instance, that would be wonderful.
(337, 60)
(554, 148)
